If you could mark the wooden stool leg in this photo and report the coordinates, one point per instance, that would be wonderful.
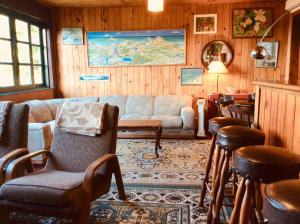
(216, 163)
(237, 204)
(215, 187)
(258, 203)
(207, 170)
(235, 181)
(246, 204)
(220, 195)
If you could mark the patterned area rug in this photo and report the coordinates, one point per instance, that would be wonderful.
(181, 163)
(164, 190)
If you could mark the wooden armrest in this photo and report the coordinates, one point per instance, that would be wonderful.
(90, 171)
(11, 169)
(8, 157)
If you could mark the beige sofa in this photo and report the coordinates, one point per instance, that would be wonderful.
(175, 112)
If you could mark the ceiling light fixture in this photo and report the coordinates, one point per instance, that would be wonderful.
(155, 5)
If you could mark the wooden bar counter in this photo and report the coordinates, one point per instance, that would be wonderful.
(277, 113)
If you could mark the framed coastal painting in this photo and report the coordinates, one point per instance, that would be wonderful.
(137, 48)
(205, 24)
(251, 22)
(72, 36)
(270, 61)
(192, 76)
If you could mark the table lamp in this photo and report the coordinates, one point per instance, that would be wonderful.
(217, 67)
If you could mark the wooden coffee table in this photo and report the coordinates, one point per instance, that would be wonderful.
(143, 125)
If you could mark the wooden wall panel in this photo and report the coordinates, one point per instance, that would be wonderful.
(279, 109)
(160, 80)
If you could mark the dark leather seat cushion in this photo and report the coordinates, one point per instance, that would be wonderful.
(267, 163)
(233, 137)
(216, 123)
(51, 187)
(282, 202)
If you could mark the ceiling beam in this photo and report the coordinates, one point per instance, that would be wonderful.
(124, 3)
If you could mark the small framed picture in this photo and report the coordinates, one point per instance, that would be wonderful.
(270, 61)
(205, 24)
(72, 36)
(103, 78)
(192, 76)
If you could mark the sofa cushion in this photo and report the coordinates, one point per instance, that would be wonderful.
(119, 101)
(31, 118)
(39, 136)
(91, 99)
(135, 117)
(52, 125)
(171, 105)
(140, 105)
(52, 187)
(168, 121)
(39, 111)
(54, 103)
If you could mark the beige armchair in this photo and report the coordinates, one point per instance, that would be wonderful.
(78, 170)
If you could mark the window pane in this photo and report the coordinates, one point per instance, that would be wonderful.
(6, 76)
(36, 55)
(5, 55)
(38, 77)
(4, 24)
(35, 34)
(23, 53)
(25, 75)
(22, 30)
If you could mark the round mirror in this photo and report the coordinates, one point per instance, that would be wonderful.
(217, 50)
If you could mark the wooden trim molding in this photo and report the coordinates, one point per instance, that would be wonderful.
(38, 94)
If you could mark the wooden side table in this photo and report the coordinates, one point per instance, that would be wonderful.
(143, 125)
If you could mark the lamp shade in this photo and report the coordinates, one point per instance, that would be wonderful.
(156, 5)
(217, 67)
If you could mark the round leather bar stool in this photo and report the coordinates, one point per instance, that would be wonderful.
(282, 202)
(214, 125)
(256, 165)
(229, 139)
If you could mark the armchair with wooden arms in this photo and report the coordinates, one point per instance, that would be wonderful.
(78, 170)
(14, 142)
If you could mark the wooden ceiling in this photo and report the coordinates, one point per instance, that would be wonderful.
(124, 3)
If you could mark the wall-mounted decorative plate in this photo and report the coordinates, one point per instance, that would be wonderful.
(217, 50)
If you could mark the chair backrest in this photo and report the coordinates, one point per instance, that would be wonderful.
(74, 153)
(251, 97)
(224, 101)
(16, 135)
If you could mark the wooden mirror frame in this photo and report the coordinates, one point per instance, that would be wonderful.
(228, 58)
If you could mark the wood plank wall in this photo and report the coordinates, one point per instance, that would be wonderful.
(278, 118)
(159, 80)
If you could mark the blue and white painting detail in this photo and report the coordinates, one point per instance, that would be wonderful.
(72, 36)
(95, 77)
(192, 76)
(126, 48)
